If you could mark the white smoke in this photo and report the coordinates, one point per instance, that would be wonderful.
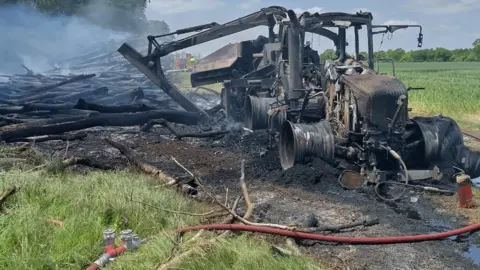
(39, 41)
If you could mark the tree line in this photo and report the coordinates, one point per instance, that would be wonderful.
(119, 15)
(424, 55)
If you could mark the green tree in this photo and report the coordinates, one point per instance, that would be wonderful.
(407, 57)
(429, 55)
(397, 54)
(442, 55)
(476, 48)
(419, 56)
(476, 43)
(459, 55)
(379, 55)
(328, 54)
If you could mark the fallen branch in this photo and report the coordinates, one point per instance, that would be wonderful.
(142, 164)
(120, 119)
(281, 251)
(56, 222)
(67, 137)
(248, 202)
(366, 223)
(84, 105)
(179, 135)
(71, 80)
(241, 219)
(57, 166)
(45, 97)
(128, 97)
(30, 107)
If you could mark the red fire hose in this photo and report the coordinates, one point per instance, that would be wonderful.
(110, 252)
(338, 239)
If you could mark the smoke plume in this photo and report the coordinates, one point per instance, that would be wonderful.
(40, 41)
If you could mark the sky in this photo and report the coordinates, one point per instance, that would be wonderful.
(446, 23)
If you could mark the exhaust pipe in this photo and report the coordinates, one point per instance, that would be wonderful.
(298, 141)
(256, 114)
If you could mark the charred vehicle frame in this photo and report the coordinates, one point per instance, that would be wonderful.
(341, 110)
(362, 116)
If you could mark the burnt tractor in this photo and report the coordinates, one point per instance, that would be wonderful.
(342, 111)
(346, 111)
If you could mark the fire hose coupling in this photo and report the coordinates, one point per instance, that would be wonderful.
(109, 237)
(130, 240)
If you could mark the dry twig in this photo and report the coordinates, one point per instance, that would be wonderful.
(142, 164)
(56, 222)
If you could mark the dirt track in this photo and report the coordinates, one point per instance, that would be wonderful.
(289, 197)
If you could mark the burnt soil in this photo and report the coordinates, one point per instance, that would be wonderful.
(292, 196)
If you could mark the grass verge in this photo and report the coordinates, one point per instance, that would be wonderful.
(89, 204)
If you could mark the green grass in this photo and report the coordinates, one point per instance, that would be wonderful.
(89, 204)
(183, 81)
(452, 89)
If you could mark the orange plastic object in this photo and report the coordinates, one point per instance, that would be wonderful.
(464, 192)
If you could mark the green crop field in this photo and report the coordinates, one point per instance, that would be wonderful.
(451, 89)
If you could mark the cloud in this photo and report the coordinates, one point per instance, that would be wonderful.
(442, 6)
(355, 10)
(311, 10)
(248, 4)
(169, 7)
(393, 22)
(447, 27)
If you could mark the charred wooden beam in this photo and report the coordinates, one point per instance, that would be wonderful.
(84, 105)
(120, 119)
(71, 80)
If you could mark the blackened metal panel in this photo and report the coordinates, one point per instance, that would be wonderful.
(377, 96)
